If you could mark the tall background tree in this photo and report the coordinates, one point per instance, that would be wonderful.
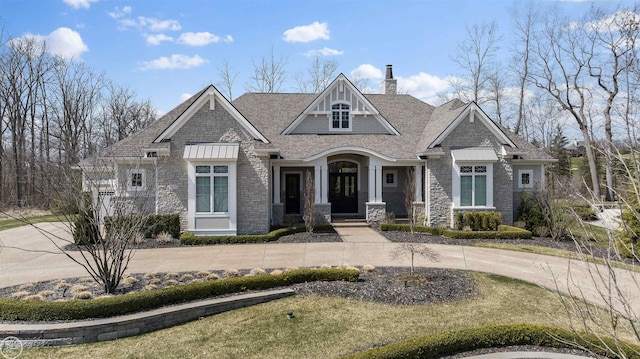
(269, 73)
(318, 76)
(53, 113)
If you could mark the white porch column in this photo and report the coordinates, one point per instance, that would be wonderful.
(276, 184)
(379, 183)
(375, 181)
(417, 175)
(372, 182)
(427, 194)
(321, 180)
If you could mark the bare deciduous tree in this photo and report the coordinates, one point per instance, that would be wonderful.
(73, 102)
(318, 76)
(410, 198)
(524, 23)
(269, 73)
(23, 67)
(226, 79)
(476, 56)
(309, 202)
(413, 250)
(610, 51)
(105, 245)
(558, 67)
(122, 115)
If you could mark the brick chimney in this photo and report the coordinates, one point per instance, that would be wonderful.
(390, 84)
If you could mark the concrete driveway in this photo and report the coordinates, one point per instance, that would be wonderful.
(38, 259)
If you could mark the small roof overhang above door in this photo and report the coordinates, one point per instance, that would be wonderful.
(211, 151)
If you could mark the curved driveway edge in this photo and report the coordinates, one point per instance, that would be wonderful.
(19, 266)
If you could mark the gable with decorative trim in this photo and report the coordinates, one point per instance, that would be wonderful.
(340, 108)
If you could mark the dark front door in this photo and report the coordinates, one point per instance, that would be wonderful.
(292, 193)
(343, 192)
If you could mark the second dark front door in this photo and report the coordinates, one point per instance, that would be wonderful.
(292, 193)
(343, 192)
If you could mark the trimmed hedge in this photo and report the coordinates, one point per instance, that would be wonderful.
(153, 224)
(191, 239)
(503, 232)
(17, 309)
(478, 221)
(406, 228)
(493, 336)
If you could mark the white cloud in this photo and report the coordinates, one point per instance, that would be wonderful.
(175, 61)
(366, 71)
(63, 42)
(77, 4)
(154, 40)
(117, 13)
(159, 25)
(423, 85)
(142, 22)
(618, 21)
(307, 33)
(228, 39)
(197, 38)
(325, 51)
(185, 96)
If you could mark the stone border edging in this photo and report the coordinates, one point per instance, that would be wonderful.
(97, 330)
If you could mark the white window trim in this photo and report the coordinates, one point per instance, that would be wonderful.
(330, 117)
(130, 187)
(384, 178)
(212, 175)
(455, 175)
(523, 185)
(231, 213)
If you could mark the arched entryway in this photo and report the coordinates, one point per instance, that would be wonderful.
(343, 187)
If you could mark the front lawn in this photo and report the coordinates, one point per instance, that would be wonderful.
(326, 327)
(14, 223)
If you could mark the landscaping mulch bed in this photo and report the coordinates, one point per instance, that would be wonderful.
(385, 285)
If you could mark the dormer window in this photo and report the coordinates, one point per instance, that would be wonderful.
(340, 118)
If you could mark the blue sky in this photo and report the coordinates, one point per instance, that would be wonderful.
(165, 50)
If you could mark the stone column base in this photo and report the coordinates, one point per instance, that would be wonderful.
(277, 214)
(376, 212)
(323, 213)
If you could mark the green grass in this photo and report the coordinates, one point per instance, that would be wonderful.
(14, 223)
(327, 327)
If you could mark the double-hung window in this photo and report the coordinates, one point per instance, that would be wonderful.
(340, 117)
(473, 185)
(212, 188)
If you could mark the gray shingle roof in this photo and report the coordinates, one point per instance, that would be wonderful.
(418, 123)
(271, 113)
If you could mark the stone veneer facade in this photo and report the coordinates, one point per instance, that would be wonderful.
(467, 134)
(252, 195)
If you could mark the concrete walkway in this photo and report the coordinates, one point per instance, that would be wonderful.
(35, 262)
(358, 232)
